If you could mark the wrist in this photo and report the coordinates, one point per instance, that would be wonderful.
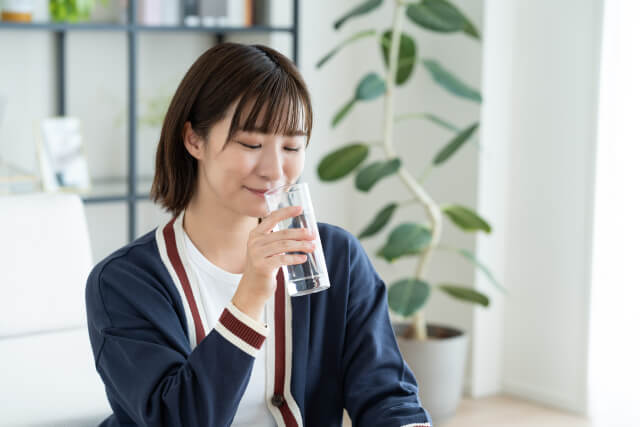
(251, 305)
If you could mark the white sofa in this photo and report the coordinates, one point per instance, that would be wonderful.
(47, 373)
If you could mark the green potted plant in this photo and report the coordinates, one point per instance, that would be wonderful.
(439, 361)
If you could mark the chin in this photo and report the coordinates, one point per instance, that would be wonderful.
(258, 211)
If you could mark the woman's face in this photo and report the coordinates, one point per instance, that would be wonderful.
(227, 175)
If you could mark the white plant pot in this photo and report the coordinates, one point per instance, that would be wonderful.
(438, 364)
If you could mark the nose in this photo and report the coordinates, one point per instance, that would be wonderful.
(270, 164)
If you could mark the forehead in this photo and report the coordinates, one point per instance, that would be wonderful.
(281, 116)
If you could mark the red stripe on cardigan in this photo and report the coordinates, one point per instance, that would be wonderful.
(241, 330)
(172, 251)
(280, 298)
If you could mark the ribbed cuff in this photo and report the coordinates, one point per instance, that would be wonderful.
(241, 330)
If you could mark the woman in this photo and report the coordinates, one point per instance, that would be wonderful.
(190, 324)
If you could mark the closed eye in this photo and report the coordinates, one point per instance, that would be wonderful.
(253, 147)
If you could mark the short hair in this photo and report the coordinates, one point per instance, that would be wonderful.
(226, 73)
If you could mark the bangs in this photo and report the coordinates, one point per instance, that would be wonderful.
(273, 105)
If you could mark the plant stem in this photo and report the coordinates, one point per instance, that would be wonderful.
(431, 208)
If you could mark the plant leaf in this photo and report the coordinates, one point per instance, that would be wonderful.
(466, 294)
(361, 9)
(437, 15)
(357, 36)
(343, 112)
(374, 172)
(466, 218)
(370, 87)
(470, 29)
(406, 56)
(471, 257)
(441, 122)
(406, 239)
(450, 82)
(454, 144)
(381, 219)
(428, 116)
(342, 161)
(408, 296)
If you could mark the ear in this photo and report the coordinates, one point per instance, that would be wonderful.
(192, 142)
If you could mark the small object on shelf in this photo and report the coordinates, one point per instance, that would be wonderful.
(191, 13)
(159, 12)
(237, 13)
(72, 11)
(261, 11)
(150, 12)
(249, 17)
(171, 13)
(213, 13)
(17, 10)
(63, 161)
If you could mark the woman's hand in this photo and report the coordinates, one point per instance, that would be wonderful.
(265, 255)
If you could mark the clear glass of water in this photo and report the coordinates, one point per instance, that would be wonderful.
(310, 276)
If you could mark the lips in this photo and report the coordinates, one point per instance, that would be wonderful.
(257, 191)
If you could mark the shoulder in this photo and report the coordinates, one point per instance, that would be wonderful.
(133, 272)
(341, 246)
(141, 249)
(335, 234)
(351, 271)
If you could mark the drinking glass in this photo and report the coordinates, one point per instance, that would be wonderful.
(310, 276)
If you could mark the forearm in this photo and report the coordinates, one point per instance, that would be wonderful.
(249, 303)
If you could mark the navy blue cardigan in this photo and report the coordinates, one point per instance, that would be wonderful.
(164, 364)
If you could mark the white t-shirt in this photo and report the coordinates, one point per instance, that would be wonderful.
(217, 287)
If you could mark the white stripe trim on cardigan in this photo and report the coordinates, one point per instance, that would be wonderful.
(271, 364)
(162, 248)
(191, 276)
(262, 329)
(235, 340)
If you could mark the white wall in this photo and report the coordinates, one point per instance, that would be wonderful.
(542, 83)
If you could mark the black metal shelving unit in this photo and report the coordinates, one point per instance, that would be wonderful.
(132, 29)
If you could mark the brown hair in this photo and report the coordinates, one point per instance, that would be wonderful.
(223, 74)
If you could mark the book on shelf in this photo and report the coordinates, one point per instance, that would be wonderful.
(229, 13)
(159, 13)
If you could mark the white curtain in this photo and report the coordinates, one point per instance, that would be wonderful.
(614, 384)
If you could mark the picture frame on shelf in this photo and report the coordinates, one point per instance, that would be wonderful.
(62, 155)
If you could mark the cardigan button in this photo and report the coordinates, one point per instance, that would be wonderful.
(277, 400)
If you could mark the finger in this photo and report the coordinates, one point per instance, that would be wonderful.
(270, 221)
(280, 246)
(288, 234)
(288, 259)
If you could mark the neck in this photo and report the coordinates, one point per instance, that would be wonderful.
(219, 233)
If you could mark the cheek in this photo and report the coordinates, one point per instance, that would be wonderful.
(296, 164)
(237, 164)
